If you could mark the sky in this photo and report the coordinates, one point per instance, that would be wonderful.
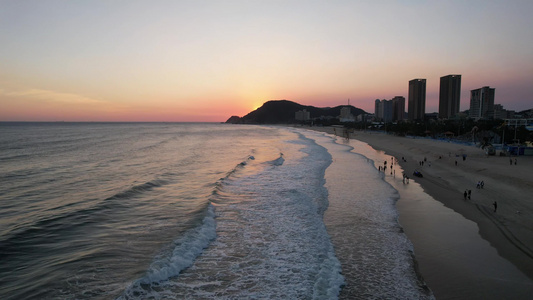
(187, 61)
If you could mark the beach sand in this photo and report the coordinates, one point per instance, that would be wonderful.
(454, 261)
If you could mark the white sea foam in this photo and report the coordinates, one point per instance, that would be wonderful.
(185, 251)
(363, 223)
(271, 241)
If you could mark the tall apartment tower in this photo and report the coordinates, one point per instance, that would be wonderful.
(449, 96)
(482, 103)
(417, 99)
(398, 104)
(378, 110)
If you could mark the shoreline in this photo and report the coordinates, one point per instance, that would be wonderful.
(510, 228)
(509, 231)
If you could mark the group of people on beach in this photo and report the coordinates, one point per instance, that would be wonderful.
(467, 193)
(384, 168)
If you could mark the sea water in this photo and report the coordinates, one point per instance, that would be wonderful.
(198, 211)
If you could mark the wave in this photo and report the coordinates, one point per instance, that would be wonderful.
(278, 161)
(72, 217)
(185, 251)
(220, 183)
(138, 189)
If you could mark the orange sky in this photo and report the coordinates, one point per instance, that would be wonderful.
(187, 61)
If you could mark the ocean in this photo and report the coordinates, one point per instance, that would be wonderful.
(195, 211)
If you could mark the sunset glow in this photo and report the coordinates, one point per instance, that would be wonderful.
(192, 61)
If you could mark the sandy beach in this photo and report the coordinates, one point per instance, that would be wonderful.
(449, 170)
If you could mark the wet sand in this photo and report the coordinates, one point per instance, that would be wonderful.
(445, 229)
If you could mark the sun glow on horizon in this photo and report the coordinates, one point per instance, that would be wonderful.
(186, 61)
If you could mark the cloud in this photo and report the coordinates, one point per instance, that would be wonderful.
(53, 97)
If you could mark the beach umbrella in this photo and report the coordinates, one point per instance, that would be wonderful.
(448, 133)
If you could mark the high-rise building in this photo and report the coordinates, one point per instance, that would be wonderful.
(390, 110)
(449, 96)
(482, 103)
(378, 110)
(387, 110)
(398, 107)
(417, 99)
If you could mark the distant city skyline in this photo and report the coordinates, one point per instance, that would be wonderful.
(206, 61)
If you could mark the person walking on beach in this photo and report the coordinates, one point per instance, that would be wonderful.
(469, 193)
(515, 161)
(465, 194)
(495, 204)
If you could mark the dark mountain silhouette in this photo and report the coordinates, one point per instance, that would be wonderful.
(283, 111)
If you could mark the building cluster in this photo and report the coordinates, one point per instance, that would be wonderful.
(390, 110)
(303, 115)
(481, 102)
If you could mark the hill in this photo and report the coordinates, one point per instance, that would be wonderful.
(283, 111)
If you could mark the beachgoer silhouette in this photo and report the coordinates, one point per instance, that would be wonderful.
(495, 204)
(469, 193)
(515, 161)
(465, 194)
